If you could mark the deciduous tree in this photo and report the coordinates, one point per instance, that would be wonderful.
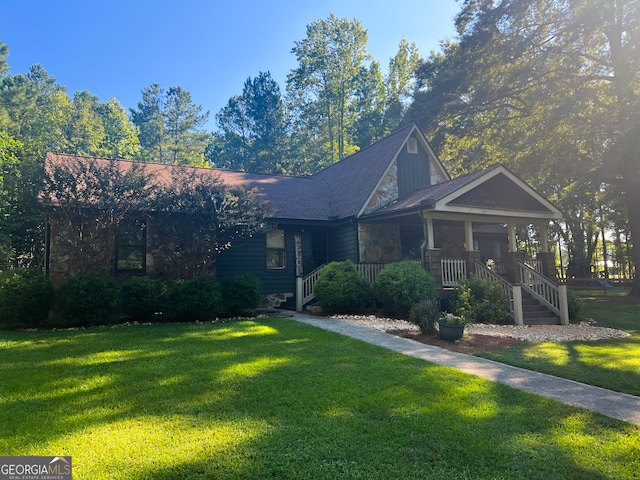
(549, 88)
(323, 86)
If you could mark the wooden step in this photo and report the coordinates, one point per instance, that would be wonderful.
(542, 321)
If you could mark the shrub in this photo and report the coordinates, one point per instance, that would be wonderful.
(195, 299)
(88, 300)
(425, 315)
(26, 296)
(142, 298)
(481, 300)
(574, 304)
(240, 294)
(341, 289)
(400, 286)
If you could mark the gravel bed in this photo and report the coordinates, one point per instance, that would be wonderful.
(584, 330)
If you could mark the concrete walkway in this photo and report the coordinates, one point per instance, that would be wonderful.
(612, 404)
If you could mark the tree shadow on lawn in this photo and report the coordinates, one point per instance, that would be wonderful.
(276, 398)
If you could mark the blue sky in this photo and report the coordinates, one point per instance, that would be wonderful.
(115, 48)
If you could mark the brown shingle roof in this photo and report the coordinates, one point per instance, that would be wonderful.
(351, 181)
(338, 191)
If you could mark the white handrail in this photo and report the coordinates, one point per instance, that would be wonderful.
(308, 281)
(534, 264)
(368, 271)
(540, 287)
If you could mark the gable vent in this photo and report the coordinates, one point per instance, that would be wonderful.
(412, 145)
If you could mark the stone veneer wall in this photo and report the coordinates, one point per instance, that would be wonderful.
(379, 243)
(68, 255)
(386, 193)
(61, 254)
(172, 253)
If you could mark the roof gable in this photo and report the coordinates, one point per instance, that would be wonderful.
(495, 192)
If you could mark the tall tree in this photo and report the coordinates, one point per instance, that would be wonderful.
(85, 130)
(120, 135)
(400, 83)
(550, 88)
(254, 129)
(10, 152)
(323, 86)
(35, 110)
(170, 126)
(184, 121)
(4, 53)
(149, 118)
(370, 104)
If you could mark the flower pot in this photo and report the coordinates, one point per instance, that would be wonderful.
(450, 332)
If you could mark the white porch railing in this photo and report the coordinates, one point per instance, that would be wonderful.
(534, 264)
(308, 282)
(548, 293)
(370, 271)
(453, 271)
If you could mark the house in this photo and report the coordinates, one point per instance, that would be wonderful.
(391, 201)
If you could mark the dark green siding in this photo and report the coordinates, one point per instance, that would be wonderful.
(413, 171)
(344, 243)
(249, 256)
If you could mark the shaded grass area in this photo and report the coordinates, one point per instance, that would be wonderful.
(277, 399)
(613, 364)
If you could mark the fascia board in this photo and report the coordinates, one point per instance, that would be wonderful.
(442, 204)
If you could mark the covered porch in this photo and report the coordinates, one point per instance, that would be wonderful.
(456, 228)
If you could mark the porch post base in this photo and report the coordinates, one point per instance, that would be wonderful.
(548, 260)
(433, 264)
(511, 265)
(471, 257)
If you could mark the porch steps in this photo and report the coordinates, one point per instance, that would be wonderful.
(536, 314)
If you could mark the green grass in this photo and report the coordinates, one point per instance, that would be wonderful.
(278, 399)
(612, 364)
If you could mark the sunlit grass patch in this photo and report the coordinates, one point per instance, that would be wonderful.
(277, 399)
(611, 363)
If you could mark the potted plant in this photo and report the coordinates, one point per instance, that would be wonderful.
(451, 327)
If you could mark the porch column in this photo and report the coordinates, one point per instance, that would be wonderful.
(428, 232)
(513, 245)
(544, 233)
(433, 264)
(546, 256)
(470, 255)
(513, 255)
(468, 235)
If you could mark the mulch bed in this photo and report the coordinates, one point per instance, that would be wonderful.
(469, 344)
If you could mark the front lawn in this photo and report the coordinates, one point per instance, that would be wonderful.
(277, 399)
(612, 364)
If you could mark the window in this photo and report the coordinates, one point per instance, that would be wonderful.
(276, 253)
(412, 145)
(131, 246)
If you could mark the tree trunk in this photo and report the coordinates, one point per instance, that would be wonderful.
(633, 212)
